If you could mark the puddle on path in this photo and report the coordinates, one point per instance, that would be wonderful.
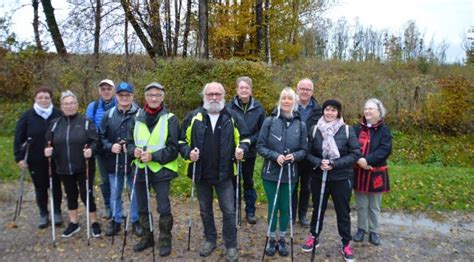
(416, 221)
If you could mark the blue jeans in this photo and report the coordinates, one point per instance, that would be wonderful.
(104, 178)
(225, 195)
(116, 198)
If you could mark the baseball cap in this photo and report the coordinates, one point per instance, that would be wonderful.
(154, 85)
(106, 81)
(124, 86)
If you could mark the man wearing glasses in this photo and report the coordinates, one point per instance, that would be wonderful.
(95, 112)
(310, 112)
(114, 129)
(153, 142)
(214, 137)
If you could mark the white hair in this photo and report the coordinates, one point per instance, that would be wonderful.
(288, 91)
(305, 80)
(378, 105)
(203, 93)
(66, 94)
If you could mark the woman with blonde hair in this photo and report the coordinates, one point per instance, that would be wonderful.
(282, 141)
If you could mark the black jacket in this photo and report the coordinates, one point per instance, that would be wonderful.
(348, 149)
(315, 114)
(279, 135)
(380, 143)
(32, 125)
(162, 156)
(230, 120)
(253, 116)
(115, 126)
(69, 135)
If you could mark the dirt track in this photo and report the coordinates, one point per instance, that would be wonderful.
(404, 237)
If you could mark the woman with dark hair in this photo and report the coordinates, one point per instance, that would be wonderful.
(73, 142)
(332, 148)
(33, 124)
(371, 174)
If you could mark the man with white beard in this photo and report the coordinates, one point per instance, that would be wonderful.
(213, 138)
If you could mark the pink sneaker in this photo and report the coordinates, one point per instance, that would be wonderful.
(347, 253)
(309, 243)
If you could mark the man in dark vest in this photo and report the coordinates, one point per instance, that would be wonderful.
(310, 112)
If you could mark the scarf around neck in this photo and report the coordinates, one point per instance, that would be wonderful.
(152, 111)
(328, 130)
(45, 113)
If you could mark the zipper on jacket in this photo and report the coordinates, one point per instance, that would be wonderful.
(268, 166)
(67, 145)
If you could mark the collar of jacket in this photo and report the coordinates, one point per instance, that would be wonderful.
(141, 114)
(363, 123)
(236, 101)
(224, 111)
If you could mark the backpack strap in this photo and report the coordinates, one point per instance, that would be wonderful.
(347, 132)
(94, 109)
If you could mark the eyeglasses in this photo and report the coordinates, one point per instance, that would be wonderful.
(305, 90)
(214, 95)
(124, 95)
(153, 95)
(69, 104)
(106, 88)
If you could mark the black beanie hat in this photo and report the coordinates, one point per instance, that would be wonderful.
(334, 103)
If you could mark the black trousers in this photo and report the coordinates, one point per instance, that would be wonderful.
(300, 198)
(75, 185)
(340, 192)
(250, 195)
(40, 176)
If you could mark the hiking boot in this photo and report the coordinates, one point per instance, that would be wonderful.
(71, 229)
(145, 242)
(137, 229)
(43, 221)
(58, 219)
(271, 247)
(309, 243)
(304, 222)
(359, 236)
(96, 229)
(374, 238)
(347, 253)
(165, 224)
(207, 249)
(113, 229)
(282, 249)
(232, 254)
(251, 219)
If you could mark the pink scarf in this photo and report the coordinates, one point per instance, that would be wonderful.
(328, 130)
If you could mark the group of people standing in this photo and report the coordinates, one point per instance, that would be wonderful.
(303, 144)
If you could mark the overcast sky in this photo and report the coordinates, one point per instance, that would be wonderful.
(442, 20)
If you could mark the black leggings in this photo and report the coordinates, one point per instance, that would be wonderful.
(40, 176)
(71, 184)
(340, 192)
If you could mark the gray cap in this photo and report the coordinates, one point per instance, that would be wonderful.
(154, 85)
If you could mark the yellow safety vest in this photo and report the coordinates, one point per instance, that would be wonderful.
(153, 142)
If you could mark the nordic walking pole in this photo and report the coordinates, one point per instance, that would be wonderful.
(273, 212)
(115, 196)
(239, 172)
(19, 199)
(237, 204)
(291, 208)
(50, 173)
(323, 186)
(87, 196)
(131, 200)
(191, 207)
(150, 216)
